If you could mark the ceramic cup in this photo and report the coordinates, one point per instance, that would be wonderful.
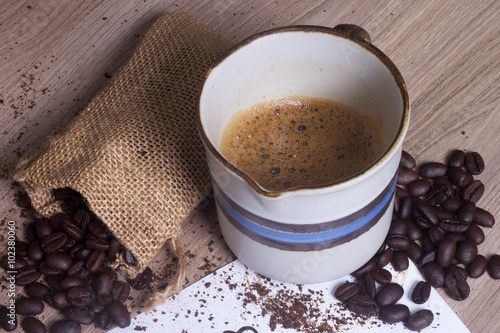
(320, 233)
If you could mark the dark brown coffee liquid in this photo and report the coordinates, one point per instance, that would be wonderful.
(301, 141)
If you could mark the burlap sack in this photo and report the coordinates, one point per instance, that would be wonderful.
(134, 153)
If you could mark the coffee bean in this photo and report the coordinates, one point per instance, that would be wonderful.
(33, 325)
(459, 177)
(95, 260)
(128, 258)
(114, 248)
(454, 225)
(400, 261)
(29, 306)
(54, 242)
(473, 192)
(59, 261)
(457, 159)
(477, 267)
(82, 254)
(80, 295)
(466, 251)
(474, 163)
(382, 276)
(384, 258)
(484, 218)
(18, 263)
(419, 320)
(37, 290)
(444, 185)
(446, 252)
(72, 230)
(437, 195)
(456, 285)
(425, 211)
(398, 242)
(59, 300)
(421, 292)
(406, 176)
(65, 326)
(407, 160)
(54, 282)
(103, 320)
(433, 274)
(47, 271)
(142, 280)
(43, 228)
(394, 313)
(120, 291)
(35, 252)
(414, 252)
(452, 204)
(78, 269)
(455, 236)
(419, 187)
(432, 170)
(405, 208)
(120, 315)
(398, 227)
(427, 257)
(367, 285)
(8, 320)
(27, 274)
(78, 314)
(494, 266)
(99, 230)
(346, 290)
(369, 266)
(435, 235)
(21, 248)
(389, 294)
(95, 243)
(104, 284)
(95, 306)
(427, 244)
(361, 304)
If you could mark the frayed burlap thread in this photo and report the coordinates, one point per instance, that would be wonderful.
(134, 152)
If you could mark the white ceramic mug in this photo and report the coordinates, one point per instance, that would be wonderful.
(315, 234)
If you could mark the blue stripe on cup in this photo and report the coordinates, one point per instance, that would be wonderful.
(305, 237)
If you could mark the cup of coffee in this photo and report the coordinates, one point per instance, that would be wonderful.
(303, 128)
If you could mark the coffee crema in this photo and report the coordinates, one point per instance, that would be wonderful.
(296, 142)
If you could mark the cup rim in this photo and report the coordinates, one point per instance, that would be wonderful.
(377, 164)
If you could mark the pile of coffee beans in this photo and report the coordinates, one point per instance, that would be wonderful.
(437, 224)
(62, 264)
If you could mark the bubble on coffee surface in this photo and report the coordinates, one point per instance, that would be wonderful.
(325, 140)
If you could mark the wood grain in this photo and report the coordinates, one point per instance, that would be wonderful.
(56, 55)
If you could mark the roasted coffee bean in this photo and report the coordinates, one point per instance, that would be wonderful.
(427, 257)
(389, 294)
(80, 315)
(80, 295)
(8, 320)
(114, 248)
(82, 219)
(405, 208)
(400, 261)
(452, 204)
(104, 284)
(446, 252)
(369, 266)
(27, 306)
(43, 228)
(72, 281)
(484, 218)
(99, 230)
(37, 290)
(31, 232)
(22, 249)
(120, 291)
(121, 317)
(394, 313)
(82, 254)
(425, 211)
(467, 212)
(466, 251)
(443, 214)
(33, 325)
(103, 320)
(398, 242)
(367, 285)
(57, 220)
(95, 243)
(437, 195)
(421, 292)
(35, 252)
(455, 236)
(419, 187)
(419, 320)
(473, 192)
(384, 258)
(361, 304)
(54, 282)
(414, 252)
(398, 227)
(72, 230)
(494, 266)
(407, 160)
(78, 269)
(74, 249)
(435, 235)
(27, 274)
(128, 258)
(54, 242)
(433, 274)
(432, 170)
(457, 159)
(456, 285)
(477, 267)
(454, 225)
(95, 260)
(444, 184)
(65, 326)
(427, 244)
(457, 269)
(59, 300)
(406, 176)
(59, 261)
(47, 271)
(382, 276)
(474, 163)
(459, 177)
(17, 264)
(96, 307)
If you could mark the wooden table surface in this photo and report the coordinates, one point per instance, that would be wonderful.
(56, 55)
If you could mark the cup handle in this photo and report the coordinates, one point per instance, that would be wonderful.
(353, 31)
